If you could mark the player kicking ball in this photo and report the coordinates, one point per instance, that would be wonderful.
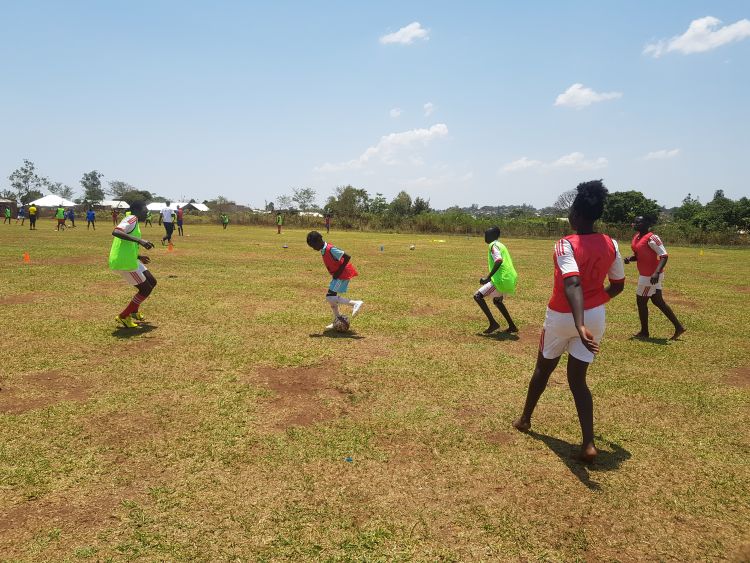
(338, 264)
(125, 261)
(500, 282)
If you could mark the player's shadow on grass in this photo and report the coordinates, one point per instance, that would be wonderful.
(651, 340)
(500, 335)
(610, 457)
(336, 334)
(125, 333)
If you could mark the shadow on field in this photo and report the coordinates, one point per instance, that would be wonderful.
(334, 334)
(651, 340)
(126, 333)
(609, 459)
(500, 335)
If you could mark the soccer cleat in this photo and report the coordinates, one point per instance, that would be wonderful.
(329, 327)
(127, 322)
(357, 305)
(138, 317)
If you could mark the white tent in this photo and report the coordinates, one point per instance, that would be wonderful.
(175, 204)
(156, 206)
(114, 204)
(53, 200)
(200, 206)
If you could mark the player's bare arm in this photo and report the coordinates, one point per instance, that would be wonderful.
(574, 295)
(659, 269)
(341, 269)
(495, 268)
(125, 236)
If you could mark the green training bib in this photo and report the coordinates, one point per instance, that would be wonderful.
(124, 254)
(506, 277)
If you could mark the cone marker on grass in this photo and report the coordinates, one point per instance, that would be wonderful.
(26, 258)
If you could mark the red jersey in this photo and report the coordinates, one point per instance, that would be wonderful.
(648, 250)
(592, 257)
(333, 264)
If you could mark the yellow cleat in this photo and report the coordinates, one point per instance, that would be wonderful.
(138, 317)
(127, 322)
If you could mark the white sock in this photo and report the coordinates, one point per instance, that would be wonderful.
(334, 305)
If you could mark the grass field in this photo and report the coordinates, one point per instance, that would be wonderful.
(233, 428)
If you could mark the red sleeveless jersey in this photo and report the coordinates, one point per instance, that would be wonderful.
(647, 259)
(592, 257)
(333, 265)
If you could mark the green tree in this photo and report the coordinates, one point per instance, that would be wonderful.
(283, 202)
(420, 206)
(118, 189)
(58, 188)
(349, 201)
(31, 195)
(136, 195)
(378, 204)
(689, 209)
(304, 198)
(92, 186)
(401, 205)
(25, 179)
(623, 207)
(564, 201)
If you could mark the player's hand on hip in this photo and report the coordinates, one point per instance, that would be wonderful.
(144, 259)
(626, 260)
(147, 245)
(654, 279)
(483, 281)
(588, 340)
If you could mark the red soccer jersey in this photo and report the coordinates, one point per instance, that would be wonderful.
(333, 264)
(648, 250)
(592, 257)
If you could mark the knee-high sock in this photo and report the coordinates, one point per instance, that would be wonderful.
(133, 305)
(340, 300)
(333, 302)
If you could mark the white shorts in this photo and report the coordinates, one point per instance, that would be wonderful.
(560, 335)
(489, 290)
(645, 289)
(133, 277)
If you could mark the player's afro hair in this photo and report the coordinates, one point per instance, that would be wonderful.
(493, 232)
(589, 202)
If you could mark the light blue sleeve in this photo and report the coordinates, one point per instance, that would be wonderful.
(337, 253)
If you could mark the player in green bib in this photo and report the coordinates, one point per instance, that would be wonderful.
(500, 282)
(125, 261)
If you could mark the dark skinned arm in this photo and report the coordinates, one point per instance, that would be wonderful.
(574, 295)
(659, 269)
(630, 259)
(340, 271)
(614, 288)
(494, 270)
(125, 236)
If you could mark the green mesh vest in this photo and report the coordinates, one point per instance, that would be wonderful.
(124, 254)
(505, 278)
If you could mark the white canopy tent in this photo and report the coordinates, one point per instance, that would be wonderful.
(156, 206)
(53, 200)
(114, 204)
(200, 206)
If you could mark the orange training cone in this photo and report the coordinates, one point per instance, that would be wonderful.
(26, 258)
(170, 248)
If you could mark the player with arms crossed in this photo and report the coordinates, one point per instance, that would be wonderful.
(651, 257)
(575, 317)
(338, 264)
(125, 260)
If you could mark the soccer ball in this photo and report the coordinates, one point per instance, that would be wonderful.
(341, 324)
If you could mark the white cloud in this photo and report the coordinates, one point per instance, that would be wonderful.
(395, 112)
(429, 109)
(578, 96)
(406, 35)
(577, 161)
(702, 35)
(450, 180)
(662, 154)
(574, 160)
(388, 146)
(521, 164)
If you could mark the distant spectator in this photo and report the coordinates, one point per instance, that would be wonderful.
(6, 215)
(180, 211)
(32, 217)
(279, 222)
(90, 219)
(21, 215)
(115, 217)
(328, 222)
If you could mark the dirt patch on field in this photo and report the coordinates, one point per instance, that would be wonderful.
(118, 429)
(471, 419)
(39, 390)
(681, 300)
(302, 396)
(23, 299)
(742, 289)
(739, 377)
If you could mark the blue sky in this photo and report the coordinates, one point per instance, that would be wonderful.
(249, 100)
